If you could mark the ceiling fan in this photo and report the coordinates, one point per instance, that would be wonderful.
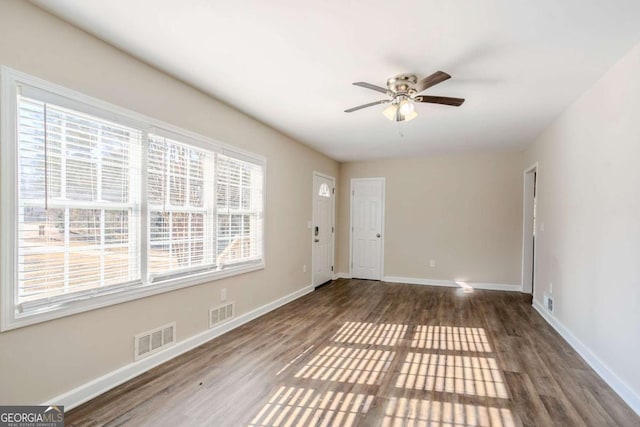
(404, 90)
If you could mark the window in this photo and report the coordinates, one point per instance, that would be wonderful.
(181, 210)
(77, 207)
(324, 190)
(239, 203)
(101, 205)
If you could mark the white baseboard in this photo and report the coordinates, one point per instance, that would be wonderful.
(452, 283)
(623, 390)
(94, 388)
(341, 276)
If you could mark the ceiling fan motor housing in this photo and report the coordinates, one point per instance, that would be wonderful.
(402, 83)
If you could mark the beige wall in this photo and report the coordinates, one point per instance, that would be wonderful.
(463, 210)
(589, 203)
(42, 361)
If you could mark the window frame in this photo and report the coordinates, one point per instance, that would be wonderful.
(10, 315)
(153, 207)
(229, 213)
(63, 203)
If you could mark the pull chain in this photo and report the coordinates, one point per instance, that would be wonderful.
(46, 161)
(401, 129)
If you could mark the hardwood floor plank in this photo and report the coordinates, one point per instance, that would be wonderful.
(558, 412)
(366, 353)
(526, 400)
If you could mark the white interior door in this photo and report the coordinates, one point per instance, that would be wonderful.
(367, 225)
(323, 228)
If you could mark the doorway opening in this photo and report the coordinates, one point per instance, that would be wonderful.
(529, 229)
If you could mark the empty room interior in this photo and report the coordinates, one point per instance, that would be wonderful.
(329, 213)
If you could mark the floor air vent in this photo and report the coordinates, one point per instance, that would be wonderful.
(154, 340)
(221, 314)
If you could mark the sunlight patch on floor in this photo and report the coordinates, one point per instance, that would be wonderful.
(361, 354)
(370, 333)
(295, 359)
(450, 338)
(350, 365)
(475, 376)
(294, 406)
(418, 413)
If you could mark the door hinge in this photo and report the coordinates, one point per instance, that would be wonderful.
(332, 229)
(333, 190)
(332, 268)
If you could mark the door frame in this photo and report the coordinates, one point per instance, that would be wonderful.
(333, 222)
(527, 284)
(382, 220)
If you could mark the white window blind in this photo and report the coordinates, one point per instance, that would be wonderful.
(103, 205)
(239, 211)
(181, 207)
(78, 202)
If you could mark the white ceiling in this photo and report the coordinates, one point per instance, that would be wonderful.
(290, 63)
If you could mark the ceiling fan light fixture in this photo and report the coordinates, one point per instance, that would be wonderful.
(406, 107)
(390, 112)
(399, 112)
(409, 116)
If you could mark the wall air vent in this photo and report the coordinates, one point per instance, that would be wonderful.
(154, 340)
(221, 314)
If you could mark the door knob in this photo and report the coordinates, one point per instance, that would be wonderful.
(378, 235)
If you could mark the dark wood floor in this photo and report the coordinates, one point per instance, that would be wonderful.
(370, 353)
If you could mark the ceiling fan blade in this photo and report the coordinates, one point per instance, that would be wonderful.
(371, 104)
(445, 100)
(372, 87)
(432, 80)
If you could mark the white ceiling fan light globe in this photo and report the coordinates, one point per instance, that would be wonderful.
(406, 111)
(390, 112)
(406, 107)
(410, 116)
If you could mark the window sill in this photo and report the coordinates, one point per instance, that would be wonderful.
(18, 320)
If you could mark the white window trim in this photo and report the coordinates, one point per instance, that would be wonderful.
(10, 79)
(167, 207)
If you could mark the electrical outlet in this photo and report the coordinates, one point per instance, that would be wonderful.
(223, 294)
(548, 302)
(432, 263)
(550, 287)
(304, 268)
